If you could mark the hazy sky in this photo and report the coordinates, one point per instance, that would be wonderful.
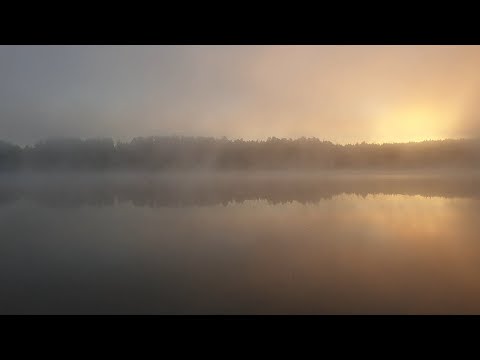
(338, 93)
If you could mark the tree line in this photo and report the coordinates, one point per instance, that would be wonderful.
(176, 152)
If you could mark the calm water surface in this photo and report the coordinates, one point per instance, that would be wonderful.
(148, 244)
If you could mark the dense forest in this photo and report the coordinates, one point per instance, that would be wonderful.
(162, 153)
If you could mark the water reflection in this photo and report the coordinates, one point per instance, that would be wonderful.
(297, 246)
(187, 190)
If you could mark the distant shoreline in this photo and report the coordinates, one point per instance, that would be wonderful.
(204, 154)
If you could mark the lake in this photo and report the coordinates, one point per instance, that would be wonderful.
(267, 243)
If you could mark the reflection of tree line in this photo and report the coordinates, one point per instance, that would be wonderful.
(175, 193)
(200, 152)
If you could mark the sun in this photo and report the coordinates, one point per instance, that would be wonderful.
(414, 123)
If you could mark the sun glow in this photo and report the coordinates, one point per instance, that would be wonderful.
(416, 123)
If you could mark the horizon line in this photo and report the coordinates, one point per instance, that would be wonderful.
(231, 139)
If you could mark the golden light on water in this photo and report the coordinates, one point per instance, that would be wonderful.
(129, 184)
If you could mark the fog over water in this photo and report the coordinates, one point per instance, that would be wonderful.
(231, 243)
(240, 179)
(197, 188)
